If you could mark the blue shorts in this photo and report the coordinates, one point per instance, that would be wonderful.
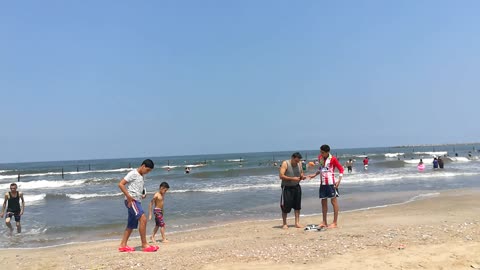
(134, 214)
(328, 191)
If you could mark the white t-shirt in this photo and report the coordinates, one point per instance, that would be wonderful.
(135, 184)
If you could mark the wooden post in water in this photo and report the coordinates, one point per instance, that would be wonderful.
(129, 165)
(62, 174)
(77, 168)
(89, 167)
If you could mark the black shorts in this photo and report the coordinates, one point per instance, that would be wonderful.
(291, 198)
(328, 191)
(349, 168)
(13, 214)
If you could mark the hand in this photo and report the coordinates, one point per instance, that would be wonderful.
(150, 217)
(129, 202)
(144, 196)
(337, 184)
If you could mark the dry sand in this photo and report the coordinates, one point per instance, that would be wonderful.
(435, 233)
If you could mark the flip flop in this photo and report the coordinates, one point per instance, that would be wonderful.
(157, 247)
(149, 249)
(126, 249)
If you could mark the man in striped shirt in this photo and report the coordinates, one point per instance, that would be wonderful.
(328, 183)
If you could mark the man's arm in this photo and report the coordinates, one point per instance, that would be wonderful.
(123, 188)
(23, 202)
(4, 205)
(341, 170)
(283, 169)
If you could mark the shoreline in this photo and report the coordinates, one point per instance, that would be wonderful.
(236, 222)
(429, 233)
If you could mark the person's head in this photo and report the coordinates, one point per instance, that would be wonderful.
(296, 158)
(163, 188)
(13, 187)
(146, 167)
(421, 160)
(350, 160)
(324, 150)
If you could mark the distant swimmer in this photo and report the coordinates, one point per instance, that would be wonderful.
(435, 163)
(275, 164)
(349, 165)
(187, 170)
(421, 166)
(440, 162)
(365, 163)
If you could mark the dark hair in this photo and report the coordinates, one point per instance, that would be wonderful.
(164, 184)
(148, 163)
(325, 148)
(297, 155)
(13, 184)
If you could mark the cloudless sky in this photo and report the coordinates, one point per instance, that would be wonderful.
(111, 79)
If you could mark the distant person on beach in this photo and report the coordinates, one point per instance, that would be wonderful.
(440, 163)
(291, 173)
(187, 170)
(157, 201)
(365, 163)
(133, 187)
(435, 163)
(12, 204)
(328, 184)
(349, 165)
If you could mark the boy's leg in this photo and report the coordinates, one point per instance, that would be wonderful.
(19, 227)
(297, 219)
(126, 235)
(335, 213)
(324, 212)
(142, 230)
(155, 230)
(164, 237)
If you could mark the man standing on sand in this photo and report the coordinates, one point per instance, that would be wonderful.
(133, 187)
(328, 184)
(12, 198)
(291, 173)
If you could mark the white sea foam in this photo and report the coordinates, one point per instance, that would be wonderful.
(65, 173)
(234, 160)
(459, 159)
(416, 161)
(438, 153)
(34, 198)
(392, 155)
(3, 171)
(45, 184)
(94, 195)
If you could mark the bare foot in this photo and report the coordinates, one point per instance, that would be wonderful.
(332, 226)
(322, 225)
(165, 241)
(298, 226)
(153, 239)
(285, 227)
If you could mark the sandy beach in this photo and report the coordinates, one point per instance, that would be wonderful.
(441, 232)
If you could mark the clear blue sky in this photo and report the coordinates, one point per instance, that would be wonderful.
(100, 79)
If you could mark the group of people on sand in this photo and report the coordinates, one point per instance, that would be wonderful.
(292, 173)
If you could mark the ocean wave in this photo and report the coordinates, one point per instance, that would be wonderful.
(438, 153)
(44, 184)
(4, 171)
(65, 173)
(393, 155)
(235, 160)
(34, 198)
(93, 195)
(226, 188)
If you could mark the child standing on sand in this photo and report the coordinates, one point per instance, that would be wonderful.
(158, 200)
